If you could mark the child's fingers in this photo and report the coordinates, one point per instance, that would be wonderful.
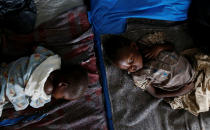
(152, 55)
(149, 55)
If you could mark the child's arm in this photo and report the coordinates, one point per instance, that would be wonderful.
(158, 93)
(156, 49)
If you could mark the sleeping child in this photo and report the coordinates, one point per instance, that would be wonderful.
(164, 73)
(34, 80)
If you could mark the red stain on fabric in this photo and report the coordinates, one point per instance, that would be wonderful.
(98, 92)
(84, 21)
(88, 98)
(90, 65)
(92, 78)
(72, 24)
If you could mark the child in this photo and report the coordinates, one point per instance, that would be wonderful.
(163, 73)
(33, 80)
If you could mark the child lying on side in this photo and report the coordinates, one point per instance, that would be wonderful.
(34, 80)
(164, 73)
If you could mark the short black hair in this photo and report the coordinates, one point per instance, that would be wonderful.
(112, 44)
(78, 78)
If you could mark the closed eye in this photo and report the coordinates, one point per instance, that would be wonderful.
(130, 60)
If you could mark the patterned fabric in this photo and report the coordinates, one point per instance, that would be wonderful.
(15, 77)
(197, 100)
(169, 71)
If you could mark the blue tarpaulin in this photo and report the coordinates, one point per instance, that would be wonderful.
(109, 16)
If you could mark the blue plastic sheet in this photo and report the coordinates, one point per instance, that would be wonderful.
(21, 119)
(109, 16)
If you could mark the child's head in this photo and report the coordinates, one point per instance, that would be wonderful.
(69, 83)
(123, 53)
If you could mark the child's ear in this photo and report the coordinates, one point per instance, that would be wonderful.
(63, 85)
(134, 46)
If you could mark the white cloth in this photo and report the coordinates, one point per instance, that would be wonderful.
(35, 85)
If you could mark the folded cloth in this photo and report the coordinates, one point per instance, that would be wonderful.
(197, 100)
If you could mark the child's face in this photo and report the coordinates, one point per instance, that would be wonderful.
(65, 86)
(129, 58)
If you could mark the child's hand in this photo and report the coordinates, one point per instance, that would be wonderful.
(154, 51)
